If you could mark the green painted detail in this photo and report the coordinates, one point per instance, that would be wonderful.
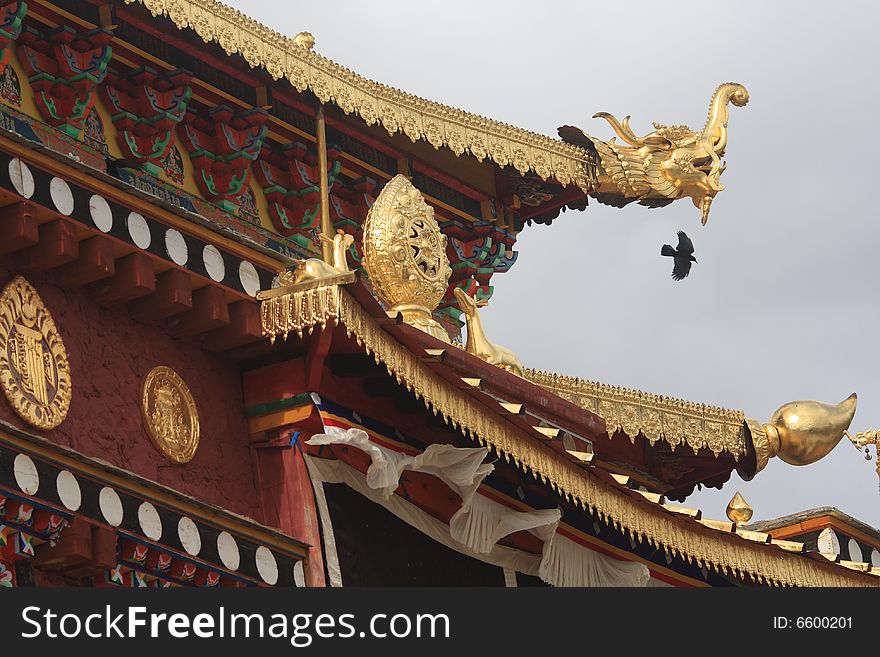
(279, 405)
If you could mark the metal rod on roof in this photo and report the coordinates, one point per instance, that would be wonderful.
(326, 226)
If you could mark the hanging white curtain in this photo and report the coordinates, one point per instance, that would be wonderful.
(567, 563)
(462, 469)
(475, 531)
(481, 522)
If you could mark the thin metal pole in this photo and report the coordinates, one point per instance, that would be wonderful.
(326, 226)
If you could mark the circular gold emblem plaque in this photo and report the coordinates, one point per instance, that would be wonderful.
(170, 414)
(34, 371)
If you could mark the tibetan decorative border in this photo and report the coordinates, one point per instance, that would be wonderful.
(656, 417)
(642, 520)
(397, 111)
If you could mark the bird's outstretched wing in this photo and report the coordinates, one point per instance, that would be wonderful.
(681, 268)
(685, 246)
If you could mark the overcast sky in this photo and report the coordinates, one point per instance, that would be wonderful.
(783, 303)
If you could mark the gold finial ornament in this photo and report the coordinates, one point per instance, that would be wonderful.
(739, 512)
(34, 370)
(801, 432)
(669, 163)
(170, 415)
(478, 344)
(405, 255)
(304, 40)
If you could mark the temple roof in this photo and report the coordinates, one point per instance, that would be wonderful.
(525, 426)
(375, 103)
(810, 514)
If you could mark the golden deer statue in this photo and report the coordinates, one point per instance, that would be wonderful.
(315, 269)
(477, 343)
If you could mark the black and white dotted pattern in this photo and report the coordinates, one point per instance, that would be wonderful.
(139, 519)
(131, 227)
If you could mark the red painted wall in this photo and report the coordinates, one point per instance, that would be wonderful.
(110, 354)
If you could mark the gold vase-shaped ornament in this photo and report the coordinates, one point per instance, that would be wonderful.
(802, 432)
(405, 255)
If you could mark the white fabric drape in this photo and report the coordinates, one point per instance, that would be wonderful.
(477, 530)
(481, 523)
(462, 469)
(567, 563)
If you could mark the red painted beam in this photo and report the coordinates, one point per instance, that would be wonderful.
(244, 327)
(58, 245)
(18, 228)
(134, 278)
(95, 262)
(173, 296)
(209, 312)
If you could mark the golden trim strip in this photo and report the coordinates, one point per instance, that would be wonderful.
(417, 118)
(644, 520)
(656, 417)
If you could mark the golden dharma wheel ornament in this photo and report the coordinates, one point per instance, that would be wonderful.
(170, 415)
(405, 255)
(34, 370)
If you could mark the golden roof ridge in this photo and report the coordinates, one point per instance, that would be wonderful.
(396, 110)
(656, 417)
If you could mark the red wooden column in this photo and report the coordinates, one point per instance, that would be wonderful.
(286, 495)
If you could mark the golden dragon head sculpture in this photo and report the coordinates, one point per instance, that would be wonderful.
(669, 163)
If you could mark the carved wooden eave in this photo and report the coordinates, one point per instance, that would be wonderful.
(378, 104)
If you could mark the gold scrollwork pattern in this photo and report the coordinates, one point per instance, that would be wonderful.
(656, 417)
(440, 125)
(34, 370)
(643, 520)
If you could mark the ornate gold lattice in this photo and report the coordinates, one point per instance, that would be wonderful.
(34, 370)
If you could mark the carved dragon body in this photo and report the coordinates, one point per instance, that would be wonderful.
(669, 163)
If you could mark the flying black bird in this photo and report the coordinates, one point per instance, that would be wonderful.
(683, 255)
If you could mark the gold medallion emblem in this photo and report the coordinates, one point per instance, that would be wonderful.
(170, 414)
(34, 371)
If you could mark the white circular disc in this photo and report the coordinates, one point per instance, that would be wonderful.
(227, 548)
(26, 475)
(102, 215)
(61, 195)
(68, 490)
(214, 264)
(189, 536)
(139, 230)
(250, 279)
(828, 542)
(299, 576)
(855, 552)
(875, 558)
(149, 520)
(266, 565)
(21, 177)
(111, 506)
(176, 247)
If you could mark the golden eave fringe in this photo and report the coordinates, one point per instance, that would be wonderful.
(721, 551)
(440, 125)
(657, 417)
